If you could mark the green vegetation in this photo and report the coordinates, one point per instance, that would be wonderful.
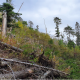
(66, 56)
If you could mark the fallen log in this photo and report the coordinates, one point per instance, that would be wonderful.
(25, 63)
(3, 45)
(18, 75)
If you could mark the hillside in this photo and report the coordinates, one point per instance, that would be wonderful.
(33, 43)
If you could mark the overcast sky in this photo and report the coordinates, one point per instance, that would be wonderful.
(35, 10)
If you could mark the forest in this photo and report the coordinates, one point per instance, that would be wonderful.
(40, 48)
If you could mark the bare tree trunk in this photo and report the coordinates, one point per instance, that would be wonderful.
(4, 25)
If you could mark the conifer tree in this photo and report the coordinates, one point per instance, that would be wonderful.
(58, 22)
(10, 13)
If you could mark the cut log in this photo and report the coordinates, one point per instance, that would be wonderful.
(3, 45)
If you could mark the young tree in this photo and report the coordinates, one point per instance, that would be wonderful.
(58, 22)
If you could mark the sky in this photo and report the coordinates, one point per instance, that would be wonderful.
(39, 10)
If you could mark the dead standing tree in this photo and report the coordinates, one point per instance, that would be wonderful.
(4, 24)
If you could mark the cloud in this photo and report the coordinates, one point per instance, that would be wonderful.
(36, 10)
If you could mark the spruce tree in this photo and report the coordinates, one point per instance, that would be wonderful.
(58, 22)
